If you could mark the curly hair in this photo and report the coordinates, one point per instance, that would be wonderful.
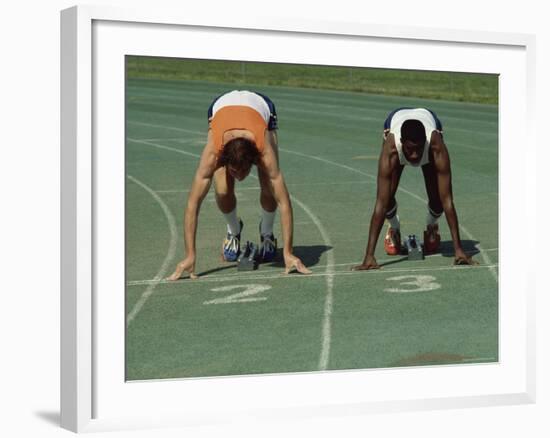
(239, 152)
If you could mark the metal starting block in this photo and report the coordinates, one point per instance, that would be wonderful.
(414, 248)
(249, 257)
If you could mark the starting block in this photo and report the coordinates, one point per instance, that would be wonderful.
(249, 258)
(414, 248)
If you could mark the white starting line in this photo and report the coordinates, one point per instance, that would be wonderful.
(253, 276)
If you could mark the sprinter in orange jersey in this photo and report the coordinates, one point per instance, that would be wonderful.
(242, 133)
(413, 137)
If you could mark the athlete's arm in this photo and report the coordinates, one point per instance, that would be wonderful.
(199, 189)
(269, 165)
(442, 164)
(386, 166)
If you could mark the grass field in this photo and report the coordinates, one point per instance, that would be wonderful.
(228, 322)
(464, 87)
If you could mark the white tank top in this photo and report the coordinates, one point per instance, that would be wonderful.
(426, 118)
(243, 98)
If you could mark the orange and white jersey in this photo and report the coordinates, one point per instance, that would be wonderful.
(242, 98)
(241, 109)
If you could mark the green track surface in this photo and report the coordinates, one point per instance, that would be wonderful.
(334, 319)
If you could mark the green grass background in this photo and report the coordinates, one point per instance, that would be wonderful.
(463, 87)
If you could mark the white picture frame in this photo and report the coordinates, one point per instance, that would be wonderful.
(94, 41)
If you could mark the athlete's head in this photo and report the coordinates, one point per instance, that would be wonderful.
(413, 139)
(238, 156)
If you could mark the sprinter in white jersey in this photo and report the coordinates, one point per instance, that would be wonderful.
(413, 137)
(241, 133)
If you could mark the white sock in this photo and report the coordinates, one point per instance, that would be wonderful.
(394, 222)
(233, 225)
(431, 219)
(268, 217)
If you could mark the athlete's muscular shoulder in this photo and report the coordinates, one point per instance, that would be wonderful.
(268, 160)
(209, 162)
(436, 142)
(439, 155)
(389, 153)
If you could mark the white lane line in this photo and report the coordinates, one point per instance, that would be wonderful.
(326, 330)
(349, 264)
(484, 255)
(381, 262)
(329, 273)
(333, 273)
(289, 184)
(333, 183)
(329, 299)
(187, 191)
(160, 146)
(167, 260)
(376, 120)
(209, 197)
(351, 169)
(475, 148)
(154, 125)
(359, 110)
(482, 252)
(175, 139)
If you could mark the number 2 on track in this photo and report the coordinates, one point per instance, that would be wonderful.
(241, 297)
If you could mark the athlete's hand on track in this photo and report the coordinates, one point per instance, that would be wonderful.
(462, 259)
(186, 265)
(369, 263)
(291, 261)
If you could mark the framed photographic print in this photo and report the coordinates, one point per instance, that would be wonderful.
(282, 219)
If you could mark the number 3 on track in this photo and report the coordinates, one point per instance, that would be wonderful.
(418, 283)
(241, 297)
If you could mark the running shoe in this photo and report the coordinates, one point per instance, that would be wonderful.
(392, 242)
(232, 245)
